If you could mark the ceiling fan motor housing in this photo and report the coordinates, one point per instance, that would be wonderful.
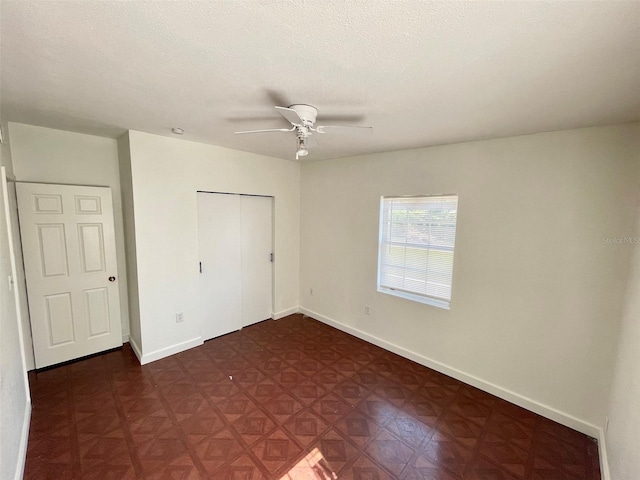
(307, 113)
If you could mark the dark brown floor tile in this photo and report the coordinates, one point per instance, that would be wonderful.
(506, 455)
(160, 451)
(412, 431)
(379, 410)
(253, 426)
(364, 469)
(351, 391)
(518, 413)
(481, 469)
(423, 469)
(545, 470)
(394, 393)
(358, 427)
(427, 411)
(201, 425)
(306, 427)
(245, 467)
(215, 450)
(436, 395)
(389, 452)
(516, 432)
(448, 454)
(567, 456)
(331, 407)
(279, 397)
(307, 392)
(276, 451)
(282, 407)
(470, 409)
(459, 428)
(222, 390)
(336, 450)
(563, 433)
(235, 406)
(92, 424)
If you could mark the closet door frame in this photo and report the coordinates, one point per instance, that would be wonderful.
(229, 307)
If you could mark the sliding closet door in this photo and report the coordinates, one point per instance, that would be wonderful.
(235, 245)
(220, 238)
(257, 245)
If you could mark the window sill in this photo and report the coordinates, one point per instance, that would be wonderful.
(434, 302)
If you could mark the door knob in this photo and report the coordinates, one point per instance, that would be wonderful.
(112, 279)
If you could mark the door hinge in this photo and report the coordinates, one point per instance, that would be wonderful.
(271, 257)
(200, 263)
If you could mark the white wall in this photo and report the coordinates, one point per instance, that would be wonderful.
(55, 156)
(623, 437)
(536, 297)
(15, 403)
(166, 174)
(124, 156)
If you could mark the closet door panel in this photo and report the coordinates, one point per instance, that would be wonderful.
(220, 242)
(257, 247)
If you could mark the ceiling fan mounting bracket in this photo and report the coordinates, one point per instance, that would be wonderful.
(308, 113)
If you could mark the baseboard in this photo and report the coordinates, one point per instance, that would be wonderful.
(170, 350)
(602, 451)
(285, 313)
(125, 338)
(136, 348)
(506, 394)
(24, 440)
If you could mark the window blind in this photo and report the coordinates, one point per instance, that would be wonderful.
(417, 239)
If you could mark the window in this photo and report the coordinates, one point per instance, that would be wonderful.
(417, 236)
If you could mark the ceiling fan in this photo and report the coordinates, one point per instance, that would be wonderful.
(303, 121)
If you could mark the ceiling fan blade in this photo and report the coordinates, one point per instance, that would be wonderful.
(277, 98)
(252, 118)
(342, 118)
(268, 130)
(290, 114)
(343, 129)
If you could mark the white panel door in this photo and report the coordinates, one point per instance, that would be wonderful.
(219, 245)
(68, 244)
(236, 275)
(256, 250)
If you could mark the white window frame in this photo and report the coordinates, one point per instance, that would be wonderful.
(383, 284)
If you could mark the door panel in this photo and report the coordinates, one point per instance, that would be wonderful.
(53, 250)
(257, 247)
(68, 246)
(96, 303)
(91, 247)
(59, 318)
(219, 232)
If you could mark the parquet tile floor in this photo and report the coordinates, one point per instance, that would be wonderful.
(255, 403)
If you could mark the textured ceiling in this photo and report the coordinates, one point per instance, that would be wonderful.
(421, 73)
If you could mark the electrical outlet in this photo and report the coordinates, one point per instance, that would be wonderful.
(367, 310)
(179, 317)
(311, 292)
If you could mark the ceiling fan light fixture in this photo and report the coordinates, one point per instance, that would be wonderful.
(302, 149)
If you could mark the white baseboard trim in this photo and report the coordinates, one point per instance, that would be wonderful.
(604, 460)
(24, 440)
(125, 338)
(285, 313)
(136, 349)
(170, 350)
(508, 395)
